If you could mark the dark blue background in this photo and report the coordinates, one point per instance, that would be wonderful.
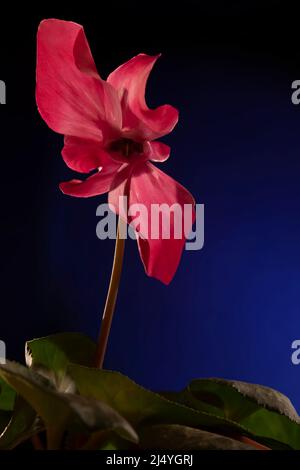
(233, 308)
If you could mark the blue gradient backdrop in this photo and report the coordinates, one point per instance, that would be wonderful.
(233, 308)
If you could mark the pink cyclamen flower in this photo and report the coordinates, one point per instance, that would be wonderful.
(109, 128)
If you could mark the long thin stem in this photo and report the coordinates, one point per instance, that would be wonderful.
(111, 297)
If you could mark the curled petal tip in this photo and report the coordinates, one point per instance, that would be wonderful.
(130, 80)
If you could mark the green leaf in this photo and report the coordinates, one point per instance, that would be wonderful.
(140, 406)
(22, 425)
(62, 411)
(7, 396)
(51, 355)
(238, 400)
(267, 413)
(177, 437)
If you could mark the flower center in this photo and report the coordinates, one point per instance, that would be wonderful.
(126, 147)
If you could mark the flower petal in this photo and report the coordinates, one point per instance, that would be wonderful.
(99, 183)
(84, 155)
(71, 96)
(140, 122)
(158, 151)
(119, 189)
(148, 186)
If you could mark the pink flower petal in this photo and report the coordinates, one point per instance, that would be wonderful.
(71, 96)
(146, 186)
(158, 151)
(99, 183)
(85, 155)
(140, 122)
(120, 188)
